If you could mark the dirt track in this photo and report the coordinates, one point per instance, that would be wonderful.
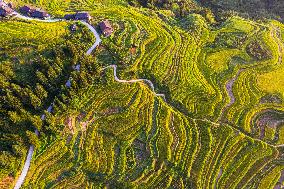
(26, 167)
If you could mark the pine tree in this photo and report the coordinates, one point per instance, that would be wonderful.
(41, 92)
(42, 78)
(12, 101)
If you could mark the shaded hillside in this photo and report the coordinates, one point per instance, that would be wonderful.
(254, 8)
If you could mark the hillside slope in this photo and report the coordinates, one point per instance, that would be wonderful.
(254, 8)
(220, 124)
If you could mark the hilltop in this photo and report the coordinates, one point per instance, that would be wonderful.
(257, 9)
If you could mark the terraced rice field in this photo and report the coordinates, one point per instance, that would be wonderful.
(194, 68)
(221, 125)
(105, 142)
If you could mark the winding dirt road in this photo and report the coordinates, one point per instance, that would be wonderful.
(151, 85)
(17, 15)
(96, 34)
(229, 87)
(26, 167)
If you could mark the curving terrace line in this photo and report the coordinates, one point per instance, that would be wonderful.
(276, 34)
(229, 87)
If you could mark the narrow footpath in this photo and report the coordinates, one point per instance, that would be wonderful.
(151, 85)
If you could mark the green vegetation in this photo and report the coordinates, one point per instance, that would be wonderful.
(30, 83)
(57, 7)
(276, 79)
(20, 39)
(221, 125)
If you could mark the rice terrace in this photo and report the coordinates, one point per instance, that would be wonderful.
(122, 94)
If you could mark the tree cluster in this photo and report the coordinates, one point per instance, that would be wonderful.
(24, 102)
(180, 8)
